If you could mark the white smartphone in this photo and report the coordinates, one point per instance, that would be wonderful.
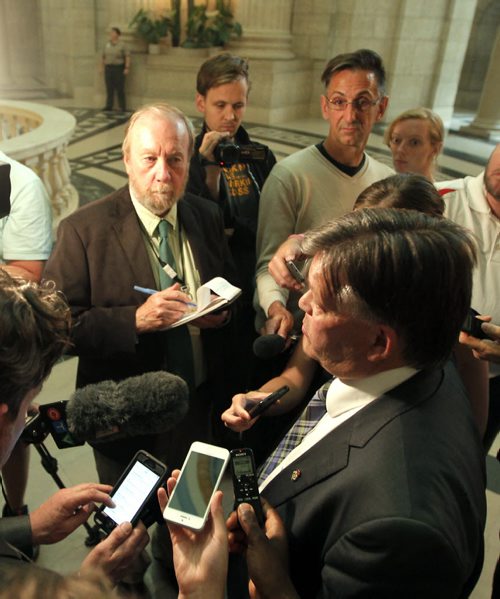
(200, 477)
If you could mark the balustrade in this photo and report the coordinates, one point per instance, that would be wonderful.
(38, 136)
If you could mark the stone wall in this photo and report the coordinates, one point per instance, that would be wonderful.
(482, 38)
(422, 44)
(68, 31)
(21, 55)
(288, 42)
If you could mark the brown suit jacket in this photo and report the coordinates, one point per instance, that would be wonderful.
(98, 258)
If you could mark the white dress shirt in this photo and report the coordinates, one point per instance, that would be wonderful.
(343, 400)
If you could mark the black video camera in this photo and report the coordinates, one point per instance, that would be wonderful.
(227, 153)
(50, 420)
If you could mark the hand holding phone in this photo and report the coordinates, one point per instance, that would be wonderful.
(245, 482)
(472, 325)
(264, 404)
(295, 272)
(200, 477)
(136, 486)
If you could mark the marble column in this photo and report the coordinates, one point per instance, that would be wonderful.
(266, 29)
(280, 80)
(487, 121)
(5, 70)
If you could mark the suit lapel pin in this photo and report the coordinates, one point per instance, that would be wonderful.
(296, 474)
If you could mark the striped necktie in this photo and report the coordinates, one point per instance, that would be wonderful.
(312, 414)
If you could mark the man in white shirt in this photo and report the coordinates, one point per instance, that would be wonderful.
(25, 245)
(384, 497)
(474, 203)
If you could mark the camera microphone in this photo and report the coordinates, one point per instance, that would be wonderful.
(148, 404)
(227, 153)
(269, 346)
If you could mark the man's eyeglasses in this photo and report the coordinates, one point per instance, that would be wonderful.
(359, 104)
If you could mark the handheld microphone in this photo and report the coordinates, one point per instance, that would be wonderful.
(269, 346)
(148, 404)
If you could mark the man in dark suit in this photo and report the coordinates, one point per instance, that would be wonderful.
(384, 496)
(109, 246)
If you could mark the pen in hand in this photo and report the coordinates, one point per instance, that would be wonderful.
(148, 291)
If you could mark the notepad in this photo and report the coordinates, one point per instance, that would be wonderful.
(211, 296)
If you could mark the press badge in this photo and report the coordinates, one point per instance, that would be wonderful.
(169, 271)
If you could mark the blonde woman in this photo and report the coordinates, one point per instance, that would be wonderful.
(415, 138)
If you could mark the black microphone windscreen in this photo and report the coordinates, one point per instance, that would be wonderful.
(268, 346)
(148, 404)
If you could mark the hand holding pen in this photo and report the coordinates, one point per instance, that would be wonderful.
(148, 291)
(162, 308)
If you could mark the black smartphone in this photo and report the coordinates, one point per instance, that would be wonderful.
(295, 272)
(472, 325)
(245, 483)
(139, 482)
(260, 407)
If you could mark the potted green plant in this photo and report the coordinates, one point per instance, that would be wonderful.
(151, 28)
(210, 28)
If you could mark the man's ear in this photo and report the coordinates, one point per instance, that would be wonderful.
(384, 345)
(4, 408)
(126, 160)
(382, 107)
(325, 109)
(200, 103)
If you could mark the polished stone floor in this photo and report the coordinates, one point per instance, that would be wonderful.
(95, 158)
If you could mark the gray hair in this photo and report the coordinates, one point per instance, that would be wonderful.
(402, 268)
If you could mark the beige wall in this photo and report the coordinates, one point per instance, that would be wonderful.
(423, 44)
(21, 57)
(68, 32)
(486, 23)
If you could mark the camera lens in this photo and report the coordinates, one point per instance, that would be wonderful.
(228, 153)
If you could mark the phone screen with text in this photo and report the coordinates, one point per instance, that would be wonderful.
(131, 494)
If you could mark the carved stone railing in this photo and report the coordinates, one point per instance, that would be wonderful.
(38, 135)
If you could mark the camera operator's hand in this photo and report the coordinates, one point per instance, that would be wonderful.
(210, 141)
(62, 513)
(117, 552)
